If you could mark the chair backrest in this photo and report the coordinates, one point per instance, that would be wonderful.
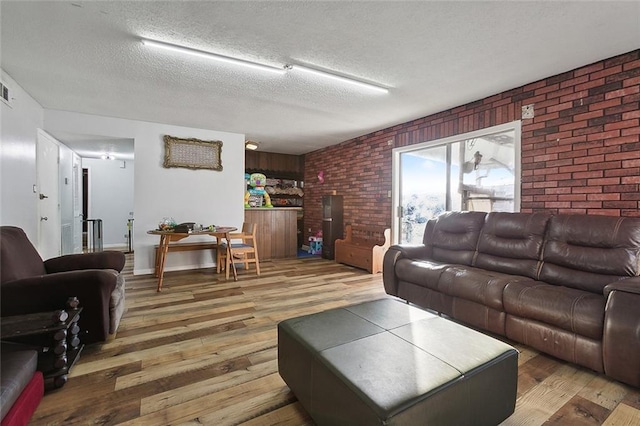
(249, 228)
(249, 233)
(18, 257)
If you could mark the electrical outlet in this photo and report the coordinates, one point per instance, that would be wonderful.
(527, 111)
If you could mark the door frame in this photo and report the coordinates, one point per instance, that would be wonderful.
(396, 214)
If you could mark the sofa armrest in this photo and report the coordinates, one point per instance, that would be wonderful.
(621, 339)
(391, 257)
(629, 285)
(73, 262)
(50, 292)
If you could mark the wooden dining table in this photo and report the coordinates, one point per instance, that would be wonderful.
(169, 236)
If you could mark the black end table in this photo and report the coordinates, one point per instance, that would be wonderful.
(54, 334)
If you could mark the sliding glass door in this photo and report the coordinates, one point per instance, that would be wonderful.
(478, 171)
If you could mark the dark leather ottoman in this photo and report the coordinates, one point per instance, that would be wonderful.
(389, 363)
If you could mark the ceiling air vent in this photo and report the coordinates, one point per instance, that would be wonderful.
(4, 93)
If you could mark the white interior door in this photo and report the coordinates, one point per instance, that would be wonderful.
(77, 203)
(47, 169)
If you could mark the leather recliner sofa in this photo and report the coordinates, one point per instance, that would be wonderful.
(28, 284)
(567, 285)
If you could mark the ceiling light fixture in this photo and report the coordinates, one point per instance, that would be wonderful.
(108, 156)
(337, 77)
(209, 55)
(252, 145)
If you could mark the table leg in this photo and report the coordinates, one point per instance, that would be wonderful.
(164, 248)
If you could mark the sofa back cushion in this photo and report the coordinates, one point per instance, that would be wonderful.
(512, 243)
(589, 251)
(18, 257)
(453, 236)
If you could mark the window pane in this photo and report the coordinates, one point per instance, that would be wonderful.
(476, 174)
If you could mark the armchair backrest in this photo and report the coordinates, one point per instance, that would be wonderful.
(18, 257)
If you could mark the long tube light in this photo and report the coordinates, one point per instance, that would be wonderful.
(262, 67)
(209, 55)
(337, 77)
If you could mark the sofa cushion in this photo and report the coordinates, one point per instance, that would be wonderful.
(116, 305)
(588, 252)
(16, 370)
(477, 285)
(512, 243)
(578, 311)
(424, 273)
(453, 236)
(18, 257)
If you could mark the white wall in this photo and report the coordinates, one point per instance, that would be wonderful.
(110, 197)
(18, 129)
(202, 196)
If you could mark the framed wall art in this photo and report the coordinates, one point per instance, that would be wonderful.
(192, 153)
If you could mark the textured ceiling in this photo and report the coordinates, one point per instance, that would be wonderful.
(86, 56)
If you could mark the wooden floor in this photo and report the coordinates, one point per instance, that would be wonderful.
(203, 352)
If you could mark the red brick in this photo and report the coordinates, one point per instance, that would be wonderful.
(545, 117)
(574, 96)
(606, 72)
(587, 160)
(622, 124)
(620, 188)
(589, 69)
(557, 191)
(604, 135)
(631, 114)
(605, 165)
(586, 204)
(622, 92)
(619, 204)
(587, 190)
(605, 212)
(631, 65)
(572, 197)
(605, 104)
(588, 115)
(632, 155)
(574, 81)
(557, 204)
(588, 175)
(603, 197)
(631, 131)
(632, 171)
(623, 140)
(603, 181)
(590, 84)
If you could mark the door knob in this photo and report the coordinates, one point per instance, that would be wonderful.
(42, 196)
(44, 218)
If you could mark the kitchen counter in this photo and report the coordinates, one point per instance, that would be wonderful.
(277, 231)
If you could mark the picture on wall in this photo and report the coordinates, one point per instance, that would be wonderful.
(192, 153)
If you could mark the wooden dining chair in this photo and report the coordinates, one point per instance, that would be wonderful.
(243, 249)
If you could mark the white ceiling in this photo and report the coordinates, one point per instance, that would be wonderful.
(86, 56)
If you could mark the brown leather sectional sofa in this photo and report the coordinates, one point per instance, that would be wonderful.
(567, 285)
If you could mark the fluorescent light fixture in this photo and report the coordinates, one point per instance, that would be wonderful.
(209, 55)
(251, 145)
(327, 74)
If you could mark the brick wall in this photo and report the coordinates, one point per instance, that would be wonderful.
(580, 153)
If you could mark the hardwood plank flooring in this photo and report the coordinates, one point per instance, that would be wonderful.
(204, 352)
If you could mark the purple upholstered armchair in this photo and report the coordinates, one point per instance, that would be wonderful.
(28, 284)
